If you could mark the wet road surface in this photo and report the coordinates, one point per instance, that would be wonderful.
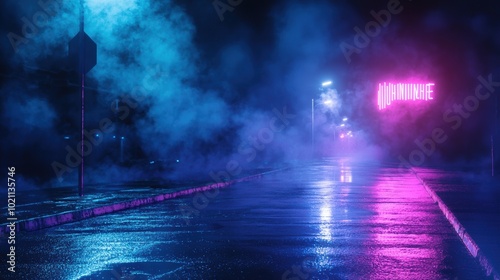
(473, 196)
(332, 219)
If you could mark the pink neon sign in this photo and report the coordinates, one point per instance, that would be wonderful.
(388, 92)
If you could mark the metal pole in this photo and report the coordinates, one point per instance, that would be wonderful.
(82, 61)
(492, 158)
(312, 125)
(121, 149)
(494, 135)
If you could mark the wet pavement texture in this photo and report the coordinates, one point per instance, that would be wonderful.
(36, 203)
(474, 198)
(330, 219)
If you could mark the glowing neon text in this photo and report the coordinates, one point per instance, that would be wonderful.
(388, 92)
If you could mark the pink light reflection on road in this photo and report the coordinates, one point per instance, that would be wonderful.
(403, 230)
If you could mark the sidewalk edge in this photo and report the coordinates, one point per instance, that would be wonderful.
(469, 243)
(52, 220)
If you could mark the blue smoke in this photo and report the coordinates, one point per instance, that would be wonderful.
(177, 83)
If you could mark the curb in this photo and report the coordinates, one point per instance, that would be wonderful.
(43, 222)
(462, 232)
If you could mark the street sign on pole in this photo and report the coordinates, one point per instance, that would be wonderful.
(82, 53)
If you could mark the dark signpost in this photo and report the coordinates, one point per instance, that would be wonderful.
(82, 57)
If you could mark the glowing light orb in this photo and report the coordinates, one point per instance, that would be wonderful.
(389, 92)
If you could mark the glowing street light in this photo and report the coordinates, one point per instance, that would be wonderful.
(344, 119)
(328, 102)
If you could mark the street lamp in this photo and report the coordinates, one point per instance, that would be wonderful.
(312, 127)
(328, 102)
(122, 139)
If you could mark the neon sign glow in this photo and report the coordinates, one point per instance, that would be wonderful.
(389, 92)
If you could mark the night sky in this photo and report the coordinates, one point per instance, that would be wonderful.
(182, 80)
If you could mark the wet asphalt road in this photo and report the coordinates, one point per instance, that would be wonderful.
(333, 219)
